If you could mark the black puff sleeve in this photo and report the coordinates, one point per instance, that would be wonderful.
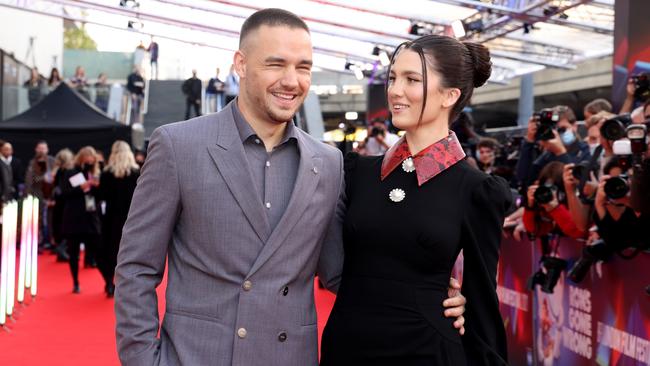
(485, 338)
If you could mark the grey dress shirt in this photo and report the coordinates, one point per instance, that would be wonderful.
(274, 173)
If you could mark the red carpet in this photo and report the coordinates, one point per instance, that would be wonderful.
(61, 328)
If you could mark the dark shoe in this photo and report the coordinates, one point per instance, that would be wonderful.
(75, 289)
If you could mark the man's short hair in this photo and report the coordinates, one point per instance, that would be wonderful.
(488, 142)
(598, 105)
(271, 17)
(566, 113)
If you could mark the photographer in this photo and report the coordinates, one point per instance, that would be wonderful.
(555, 132)
(379, 139)
(637, 91)
(546, 206)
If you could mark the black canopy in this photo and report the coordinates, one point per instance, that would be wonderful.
(64, 119)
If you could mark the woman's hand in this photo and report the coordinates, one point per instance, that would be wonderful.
(530, 194)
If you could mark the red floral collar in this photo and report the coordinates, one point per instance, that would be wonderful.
(429, 162)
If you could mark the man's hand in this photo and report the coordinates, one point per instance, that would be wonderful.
(455, 305)
(554, 145)
(570, 182)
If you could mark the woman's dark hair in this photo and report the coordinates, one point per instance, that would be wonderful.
(51, 79)
(461, 65)
(552, 172)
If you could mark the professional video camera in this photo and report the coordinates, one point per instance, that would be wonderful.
(641, 87)
(546, 120)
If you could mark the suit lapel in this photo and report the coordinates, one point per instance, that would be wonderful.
(228, 154)
(309, 171)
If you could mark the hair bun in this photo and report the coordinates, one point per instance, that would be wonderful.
(481, 62)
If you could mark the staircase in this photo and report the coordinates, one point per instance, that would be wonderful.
(166, 104)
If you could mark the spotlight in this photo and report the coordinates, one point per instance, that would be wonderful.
(348, 65)
(547, 280)
(526, 28)
(415, 29)
(375, 51)
(129, 3)
(134, 24)
(475, 25)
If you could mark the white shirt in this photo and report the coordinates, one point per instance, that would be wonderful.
(373, 147)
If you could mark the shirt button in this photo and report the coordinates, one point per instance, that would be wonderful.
(241, 333)
(247, 286)
(282, 336)
(285, 291)
(268, 205)
(268, 164)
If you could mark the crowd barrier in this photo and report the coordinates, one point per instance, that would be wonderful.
(603, 320)
(27, 274)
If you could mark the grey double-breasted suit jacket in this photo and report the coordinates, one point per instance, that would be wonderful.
(238, 292)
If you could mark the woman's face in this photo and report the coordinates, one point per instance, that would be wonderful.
(406, 94)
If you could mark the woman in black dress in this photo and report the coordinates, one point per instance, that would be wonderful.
(117, 184)
(80, 222)
(408, 215)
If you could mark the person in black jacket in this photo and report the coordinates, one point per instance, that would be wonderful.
(63, 161)
(192, 91)
(81, 221)
(17, 169)
(135, 85)
(117, 183)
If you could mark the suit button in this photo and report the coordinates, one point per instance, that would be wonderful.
(241, 333)
(285, 291)
(282, 336)
(247, 286)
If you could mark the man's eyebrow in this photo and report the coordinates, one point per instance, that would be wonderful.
(274, 59)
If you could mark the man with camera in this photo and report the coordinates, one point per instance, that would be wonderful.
(554, 131)
(379, 138)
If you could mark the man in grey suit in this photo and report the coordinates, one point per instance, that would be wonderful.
(239, 203)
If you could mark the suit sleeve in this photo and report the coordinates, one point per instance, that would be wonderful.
(330, 261)
(485, 338)
(143, 250)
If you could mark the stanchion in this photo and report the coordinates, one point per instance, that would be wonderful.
(25, 243)
(28, 246)
(4, 272)
(10, 225)
(34, 265)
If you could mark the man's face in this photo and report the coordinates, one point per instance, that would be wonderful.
(41, 149)
(274, 67)
(565, 124)
(593, 135)
(7, 150)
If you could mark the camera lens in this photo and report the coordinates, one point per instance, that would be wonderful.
(616, 187)
(613, 130)
(543, 194)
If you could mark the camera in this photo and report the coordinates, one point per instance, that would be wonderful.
(642, 87)
(617, 187)
(544, 194)
(598, 251)
(615, 128)
(547, 280)
(581, 171)
(637, 133)
(376, 131)
(546, 120)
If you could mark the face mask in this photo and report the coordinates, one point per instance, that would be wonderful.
(568, 137)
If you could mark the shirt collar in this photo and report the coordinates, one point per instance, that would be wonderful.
(246, 131)
(429, 162)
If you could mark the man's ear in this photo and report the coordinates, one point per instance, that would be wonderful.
(239, 60)
(451, 96)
